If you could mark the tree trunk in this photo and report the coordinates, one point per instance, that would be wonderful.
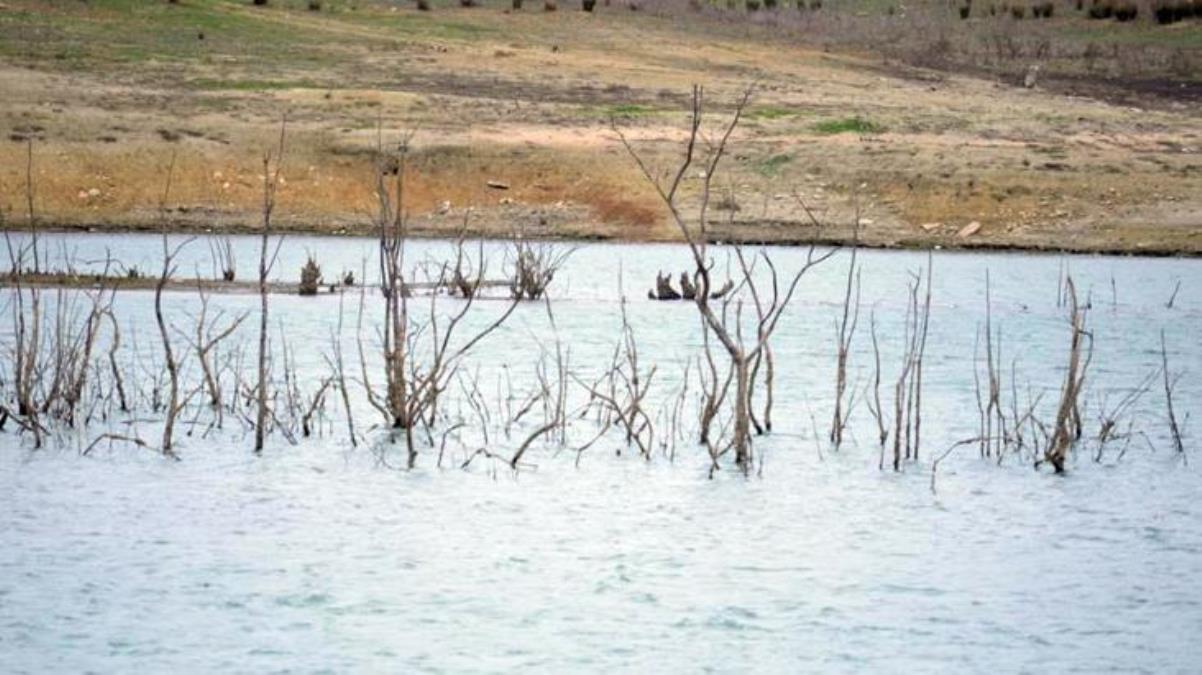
(742, 438)
(261, 414)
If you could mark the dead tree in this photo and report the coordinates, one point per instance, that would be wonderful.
(553, 392)
(907, 411)
(713, 390)
(77, 361)
(1064, 432)
(207, 338)
(29, 200)
(920, 354)
(900, 388)
(728, 330)
(338, 365)
(114, 368)
(1110, 417)
(222, 252)
(415, 384)
(271, 180)
(27, 344)
(464, 281)
(173, 404)
(622, 390)
(846, 331)
(874, 401)
(390, 225)
(1169, 383)
(989, 402)
(534, 266)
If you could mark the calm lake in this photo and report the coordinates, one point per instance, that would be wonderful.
(322, 557)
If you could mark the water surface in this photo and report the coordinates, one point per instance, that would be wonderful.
(315, 557)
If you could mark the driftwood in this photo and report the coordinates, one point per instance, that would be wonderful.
(688, 290)
(663, 288)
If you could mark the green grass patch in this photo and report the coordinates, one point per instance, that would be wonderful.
(115, 32)
(848, 125)
(438, 24)
(771, 113)
(252, 85)
(1105, 34)
(629, 110)
(772, 166)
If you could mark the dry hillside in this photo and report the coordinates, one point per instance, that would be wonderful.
(100, 95)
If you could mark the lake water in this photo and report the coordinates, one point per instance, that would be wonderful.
(320, 557)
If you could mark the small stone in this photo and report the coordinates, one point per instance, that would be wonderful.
(931, 227)
(969, 229)
(497, 185)
(94, 192)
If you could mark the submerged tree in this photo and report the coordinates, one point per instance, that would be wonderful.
(724, 319)
(416, 374)
(271, 180)
(1067, 426)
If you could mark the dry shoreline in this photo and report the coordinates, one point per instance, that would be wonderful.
(832, 237)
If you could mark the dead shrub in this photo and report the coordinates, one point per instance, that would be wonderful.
(310, 277)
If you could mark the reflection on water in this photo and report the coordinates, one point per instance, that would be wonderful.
(314, 557)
